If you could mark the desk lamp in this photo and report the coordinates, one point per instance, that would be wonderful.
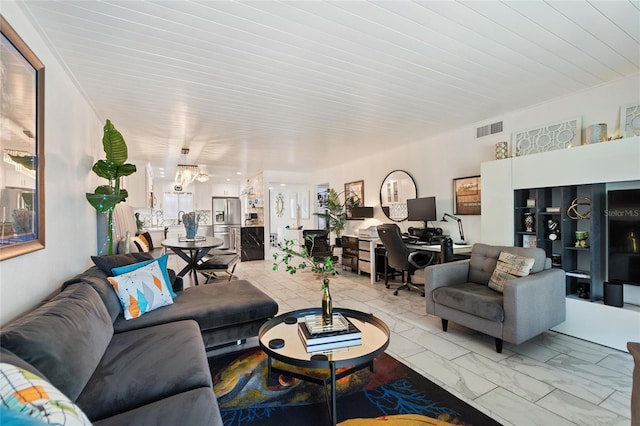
(444, 219)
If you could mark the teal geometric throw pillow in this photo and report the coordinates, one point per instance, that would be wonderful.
(142, 290)
(162, 261)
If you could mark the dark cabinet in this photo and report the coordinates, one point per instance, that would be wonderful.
(350, 249)
(568, 223)
(252, 243)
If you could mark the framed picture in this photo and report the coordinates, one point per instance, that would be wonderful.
(353, 196)
(630, 120)
(557, 135)
(529, 241)
(466, 195)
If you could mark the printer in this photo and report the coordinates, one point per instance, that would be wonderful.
(430, 235)
(368, 232)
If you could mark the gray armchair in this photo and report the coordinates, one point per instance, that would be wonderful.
(459, 291)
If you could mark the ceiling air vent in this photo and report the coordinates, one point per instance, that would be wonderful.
(489, 129)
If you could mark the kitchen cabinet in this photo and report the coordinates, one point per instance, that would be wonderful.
(251, 243)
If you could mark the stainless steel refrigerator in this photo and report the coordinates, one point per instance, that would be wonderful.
(226, 215)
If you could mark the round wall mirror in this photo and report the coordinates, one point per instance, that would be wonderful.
(396, 189)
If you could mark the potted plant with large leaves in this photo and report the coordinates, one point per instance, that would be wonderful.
(335, 213)
(113, 168)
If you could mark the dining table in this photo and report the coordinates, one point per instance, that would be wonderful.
(191, 251)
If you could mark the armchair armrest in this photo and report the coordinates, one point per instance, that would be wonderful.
(533, 304)
(442, 275)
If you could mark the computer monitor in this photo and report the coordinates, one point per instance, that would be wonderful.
(422, 209)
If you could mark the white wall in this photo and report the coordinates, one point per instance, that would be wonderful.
(434, 162)
(299, 192)
(73, 135)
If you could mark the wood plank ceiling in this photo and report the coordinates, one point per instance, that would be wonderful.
(298, 85)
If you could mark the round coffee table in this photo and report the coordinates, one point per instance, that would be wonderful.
(375, 339)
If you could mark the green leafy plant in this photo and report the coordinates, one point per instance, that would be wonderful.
(295, 261)
(335, 214)
(113, 168)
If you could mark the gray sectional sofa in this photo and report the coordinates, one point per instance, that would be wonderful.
(151, 370)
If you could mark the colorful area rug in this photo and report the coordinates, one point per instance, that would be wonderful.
(248, 397)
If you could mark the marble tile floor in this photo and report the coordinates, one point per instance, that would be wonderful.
(550, 380)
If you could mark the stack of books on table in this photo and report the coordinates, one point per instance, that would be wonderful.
(317, 337)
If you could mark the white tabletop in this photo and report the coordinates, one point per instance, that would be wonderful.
(457, 248)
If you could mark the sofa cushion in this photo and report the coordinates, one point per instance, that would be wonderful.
(107, 262)
(472, 298)
(146, 238)
(143, 366)
(509, 266)
(136, 245)
(97, 279)
(14, 418)
(142, 290)
(484, 258)
(212, 306)
(202, 410)
(64, 339)
(162, 262)
(26, 393)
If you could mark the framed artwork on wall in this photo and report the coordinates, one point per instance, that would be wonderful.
(353, 196)
(630, 120)
(466, 196)
(557, 135)
(22, 144)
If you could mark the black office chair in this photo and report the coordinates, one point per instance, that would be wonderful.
(317, 243)
(400, 258)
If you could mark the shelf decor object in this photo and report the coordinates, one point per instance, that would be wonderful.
(630, 120)
(578, 203)
(558, 135)
(529, 221)
(553, 228)
(582, 239)
(502, 150)
(529, 241)
(596, 133)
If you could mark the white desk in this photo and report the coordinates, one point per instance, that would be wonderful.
(457, 248)
(371, 242)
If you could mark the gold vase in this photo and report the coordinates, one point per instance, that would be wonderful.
(327, 308)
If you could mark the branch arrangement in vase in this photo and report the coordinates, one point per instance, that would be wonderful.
(295, 261)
